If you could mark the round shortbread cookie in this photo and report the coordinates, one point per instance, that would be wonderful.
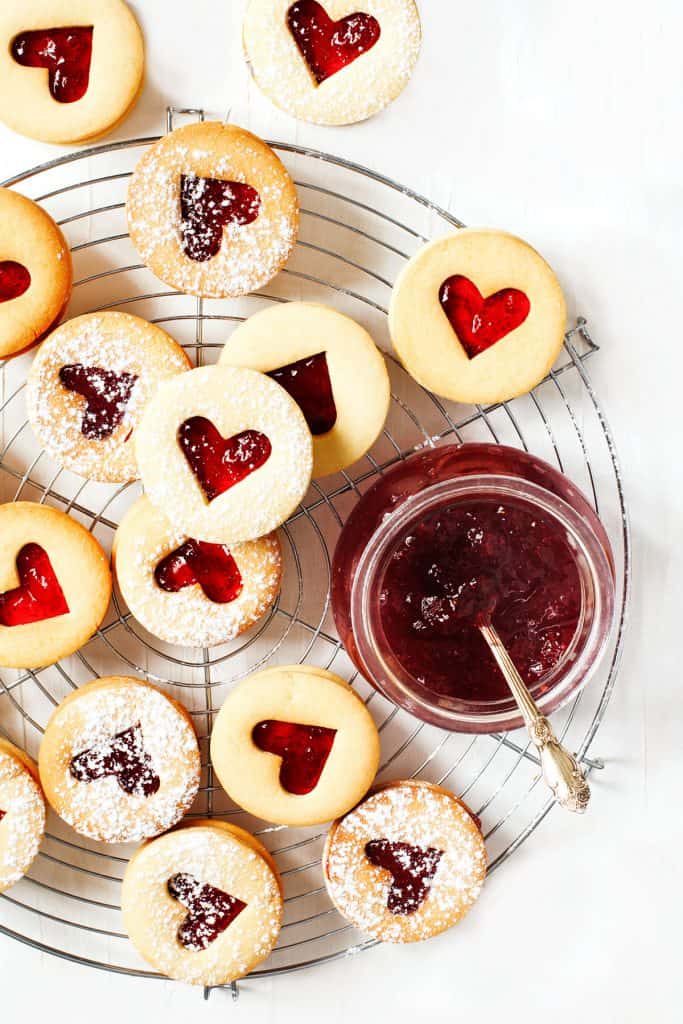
(224, 453)
(188, 592)
(35, 273)
(334, 62)
(203, 904)
(22, 814)
(55, 585)
(70, 70)
(88, 387)
(119, 760)
(407, 863)
(477, 316)
(212, 210)
(331, 367)
(294, 746)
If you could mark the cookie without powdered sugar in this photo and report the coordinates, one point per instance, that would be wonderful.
(212, 210)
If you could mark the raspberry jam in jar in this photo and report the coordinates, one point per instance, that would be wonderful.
(458, 536)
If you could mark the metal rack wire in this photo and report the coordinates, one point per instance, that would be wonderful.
(358, 228)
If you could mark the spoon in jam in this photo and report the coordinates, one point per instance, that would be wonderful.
(560, 768)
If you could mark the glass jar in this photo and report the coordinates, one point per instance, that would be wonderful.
(435, 481)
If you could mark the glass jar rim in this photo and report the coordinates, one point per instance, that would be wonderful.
(583, 535)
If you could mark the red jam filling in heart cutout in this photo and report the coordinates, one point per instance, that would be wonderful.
(478, 322)
(65, 52)
(217, 462)
(14, 280)
(308, 383)
(2, 814)
(304, 750)
(123, 756)
(412, 869)
(106, 396)
(38, 596)
(197, 561)
(207, 206)
(327, 46)
(210, 911)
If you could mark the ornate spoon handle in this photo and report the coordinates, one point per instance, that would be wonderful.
(560, 768)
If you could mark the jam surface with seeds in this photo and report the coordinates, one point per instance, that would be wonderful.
(66, 53)
(39, 595)
(412, 869)
(473, 562)
(106, 396)
(219, 463)
(211, 911)
(207, 206)
(478, 322)
(124, 757)
(197, 561)
(327, 46)
(308, 383)
(15, 279)
(304, 750)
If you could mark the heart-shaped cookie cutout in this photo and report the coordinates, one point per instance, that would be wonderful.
(2, 814)
(14, 280)
(304, 750)
(308, 382)
(106, 396)
(196, 561)
(412, 869)
(66, 53)
(207, 206)
(327, 46)
(210, 911)
(39, 595)
(124, 757)
(217, 462)
(478, 322)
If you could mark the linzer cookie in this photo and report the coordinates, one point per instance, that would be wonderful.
(203, 904)
(22, 814)
(330, 366)
(119, 760)
(477, 317)
(88, 387)
(295, 746)
(191, 592)
(55, 585)
(333, 62)
(407, 863)
(70, 70)
(225, 454)
(212, 210)
(35, 273)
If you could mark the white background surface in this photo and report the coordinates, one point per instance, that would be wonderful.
(560, 122)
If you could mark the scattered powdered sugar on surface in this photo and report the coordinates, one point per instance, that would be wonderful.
(188, 617)
(153, 917)
(101, 809)
(421, 817)
(23, 821)
(250, 254)
(356, 92)
(56, 414)
(244, 399)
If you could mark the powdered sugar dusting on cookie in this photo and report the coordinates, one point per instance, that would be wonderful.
(114, 342)
(251, 253)
(357, 91)
(22, 819)
(153, 918)
(101, 809)
(423, 817)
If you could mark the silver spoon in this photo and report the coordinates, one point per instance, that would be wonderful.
(560, 768)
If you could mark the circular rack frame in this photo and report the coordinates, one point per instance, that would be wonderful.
(358, 229)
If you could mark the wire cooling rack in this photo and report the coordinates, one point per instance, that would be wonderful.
(358, 229)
